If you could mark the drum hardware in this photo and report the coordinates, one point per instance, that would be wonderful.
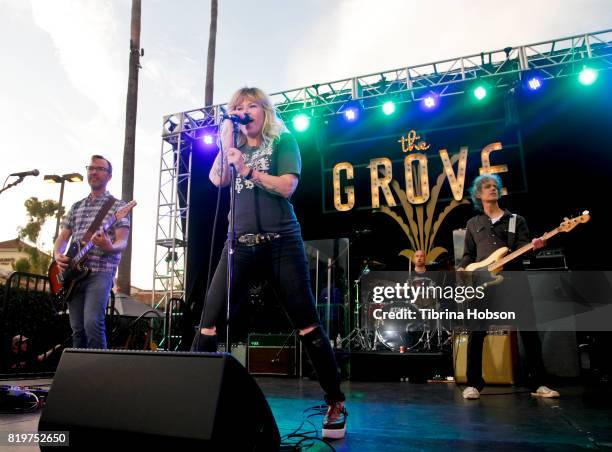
(406, 334)
(359, 336)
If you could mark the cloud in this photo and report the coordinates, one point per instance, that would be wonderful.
(357, 37)
(86, 35)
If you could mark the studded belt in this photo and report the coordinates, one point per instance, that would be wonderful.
(257, 239)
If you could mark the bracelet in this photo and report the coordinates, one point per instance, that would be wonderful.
(249, 175)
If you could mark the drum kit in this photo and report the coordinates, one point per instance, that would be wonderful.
(398, 326)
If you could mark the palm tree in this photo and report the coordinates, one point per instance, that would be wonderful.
(210, 58)
(127, 181)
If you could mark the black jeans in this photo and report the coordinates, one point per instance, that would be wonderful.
(513, 294)
(282, 262)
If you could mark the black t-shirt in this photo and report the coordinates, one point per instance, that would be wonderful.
(258, 210)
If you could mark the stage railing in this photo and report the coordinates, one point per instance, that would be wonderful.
(30, 326)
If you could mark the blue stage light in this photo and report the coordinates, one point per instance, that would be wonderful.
(534, 83)
(429, 101)
(350, 114)
(208, 139)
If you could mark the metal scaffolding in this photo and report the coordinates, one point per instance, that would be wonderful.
(171, 234)
(501, 68)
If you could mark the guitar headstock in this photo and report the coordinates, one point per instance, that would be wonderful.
(121, 213)
(570, 223)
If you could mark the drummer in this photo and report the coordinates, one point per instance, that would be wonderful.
(419, 260)
(420, 276)
(424, 277)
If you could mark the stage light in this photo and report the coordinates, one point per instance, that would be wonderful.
(532, 80)
(587, 76)
(350, 114)
(301, 122)
(388, 108)
(208, 139)
(429, 102)
(480, 92)
(534, 83)
(351, 111)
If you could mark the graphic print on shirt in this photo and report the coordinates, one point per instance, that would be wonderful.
(260, 159)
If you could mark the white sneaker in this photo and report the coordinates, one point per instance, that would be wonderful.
(334, 423)
(471, 393)
(546, 392)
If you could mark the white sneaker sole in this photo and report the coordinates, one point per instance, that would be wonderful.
(546, 395)
(337, 433)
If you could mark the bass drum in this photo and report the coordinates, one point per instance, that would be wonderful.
(426, 298)
(394, 325)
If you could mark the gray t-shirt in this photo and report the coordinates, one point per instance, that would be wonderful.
(258, 210)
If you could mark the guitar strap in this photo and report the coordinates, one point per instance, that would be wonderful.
(511, 230)
(95, 224)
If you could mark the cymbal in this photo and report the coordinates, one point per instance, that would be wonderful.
(374, 264)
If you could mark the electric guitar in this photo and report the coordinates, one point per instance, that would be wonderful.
(500, 257)
(63, 282)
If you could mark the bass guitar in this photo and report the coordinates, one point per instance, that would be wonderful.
(500, 257)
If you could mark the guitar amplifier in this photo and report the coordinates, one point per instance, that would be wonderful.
(272, 354)
(499, 355)
(238, 352)
(547, 259)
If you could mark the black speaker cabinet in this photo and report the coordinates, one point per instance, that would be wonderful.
(162, 400)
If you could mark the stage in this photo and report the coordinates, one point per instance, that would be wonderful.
(399, 416)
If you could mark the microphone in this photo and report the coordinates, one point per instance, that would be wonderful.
(244, 120)
(26, 173)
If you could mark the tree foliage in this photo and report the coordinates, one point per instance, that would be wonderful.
(38, 213)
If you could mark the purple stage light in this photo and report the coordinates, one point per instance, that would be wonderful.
(430, 102)
(208, 139)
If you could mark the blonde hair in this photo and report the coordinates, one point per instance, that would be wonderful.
(273, 125)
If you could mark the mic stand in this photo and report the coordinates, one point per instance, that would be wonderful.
(6, 187)
(330, 266)
(231, 243)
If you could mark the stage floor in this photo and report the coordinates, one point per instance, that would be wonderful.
(405, 417)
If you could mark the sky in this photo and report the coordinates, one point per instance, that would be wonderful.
(64, 73)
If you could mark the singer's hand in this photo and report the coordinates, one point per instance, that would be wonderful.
(236, 158)
(227, 133)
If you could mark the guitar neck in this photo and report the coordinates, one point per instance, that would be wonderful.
(89, 245)
(522, 250)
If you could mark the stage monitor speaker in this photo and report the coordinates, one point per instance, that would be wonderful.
(158, 400)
